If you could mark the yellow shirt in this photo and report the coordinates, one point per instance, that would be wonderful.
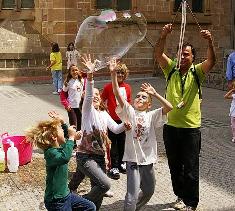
(188, 116)
(56, 56)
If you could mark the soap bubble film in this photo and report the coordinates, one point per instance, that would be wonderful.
(109, 35)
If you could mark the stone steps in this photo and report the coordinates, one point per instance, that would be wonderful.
(41, 75)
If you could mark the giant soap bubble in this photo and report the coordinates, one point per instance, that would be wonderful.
(109, 35)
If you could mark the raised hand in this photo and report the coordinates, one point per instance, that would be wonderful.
(167, 29)
(112, 65)
(78, 135)
(146, 87)
(72, 132)
(55, 115)
(206, 34)
(68, 108)
(127, 126)
(86, 60)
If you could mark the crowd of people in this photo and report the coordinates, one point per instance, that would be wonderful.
(113, 134)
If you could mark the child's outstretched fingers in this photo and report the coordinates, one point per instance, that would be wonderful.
(112, 64)
(52, 114)
(143, 86)
(86, 61)
(147, 87)
(55, 115)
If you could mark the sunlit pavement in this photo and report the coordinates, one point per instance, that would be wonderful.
(23, 105)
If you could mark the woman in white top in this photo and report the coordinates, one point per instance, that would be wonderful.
(91, 151)
(72, 55)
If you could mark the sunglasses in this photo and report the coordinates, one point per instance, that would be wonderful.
(120, 72)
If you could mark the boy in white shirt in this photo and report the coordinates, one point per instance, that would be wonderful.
(141, 144)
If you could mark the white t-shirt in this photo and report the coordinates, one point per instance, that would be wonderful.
(232, 107)
(141, 143)
(72, 57)
(95, 123)
(74, 89)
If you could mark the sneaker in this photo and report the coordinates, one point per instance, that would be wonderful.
(114, 173)
(109, 194)
(55, 93)
(178, 204)
(122, 168)
(233, 140)
(188, 208)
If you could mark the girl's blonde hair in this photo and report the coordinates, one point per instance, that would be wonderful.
(41, 134)
(123, 67)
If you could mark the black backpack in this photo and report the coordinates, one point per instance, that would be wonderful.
(195, 76)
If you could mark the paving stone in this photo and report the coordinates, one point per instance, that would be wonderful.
(30, 103)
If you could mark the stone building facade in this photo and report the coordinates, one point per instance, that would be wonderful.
(27, 33)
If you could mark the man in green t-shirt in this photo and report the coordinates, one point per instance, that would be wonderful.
(181, 134)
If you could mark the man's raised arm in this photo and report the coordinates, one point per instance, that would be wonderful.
(161, 58)
(211, 58)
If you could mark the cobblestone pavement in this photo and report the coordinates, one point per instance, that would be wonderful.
(22, 105)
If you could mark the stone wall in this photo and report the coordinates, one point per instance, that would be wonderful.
(23, 51)
(59, 20)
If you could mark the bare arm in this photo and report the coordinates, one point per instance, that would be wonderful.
(228, 95)
(211, 58)
(165, 103)
(113, 126)
(162, 58)
(89, 88)
(112, 66)
(53, 62)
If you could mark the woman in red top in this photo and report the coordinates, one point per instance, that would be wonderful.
(118, 140)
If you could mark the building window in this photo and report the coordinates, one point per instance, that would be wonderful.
(8, 4)
(104, 4)
(114, 4)
(195, 5)
(123, 5)
(16, 4)
(27, 3)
